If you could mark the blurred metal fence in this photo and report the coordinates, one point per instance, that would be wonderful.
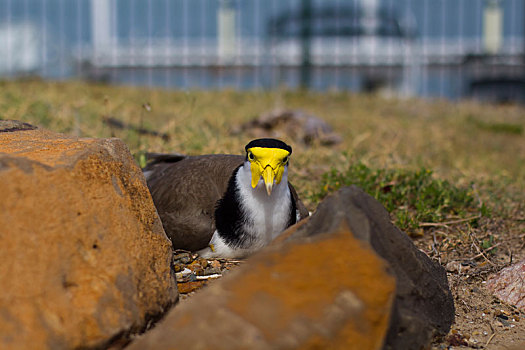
(443, 48)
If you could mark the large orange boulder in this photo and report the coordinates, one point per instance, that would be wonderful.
(84, 256)
(328, 292)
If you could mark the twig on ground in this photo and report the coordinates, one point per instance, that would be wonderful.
(480, 251)
(446, 223)
(486, 250)
(434, 247)
(491, 337)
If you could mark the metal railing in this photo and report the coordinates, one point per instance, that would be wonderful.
(408, 47)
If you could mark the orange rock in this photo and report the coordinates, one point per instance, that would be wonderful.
(84, 254)
(215, 264)
(188, 287)
(288, 296)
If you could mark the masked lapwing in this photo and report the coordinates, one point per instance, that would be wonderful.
(225, 205)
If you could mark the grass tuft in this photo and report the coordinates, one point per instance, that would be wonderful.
(412, 197)
(497, 127)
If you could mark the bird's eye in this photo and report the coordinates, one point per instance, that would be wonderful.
(251, 156)
(285, 159)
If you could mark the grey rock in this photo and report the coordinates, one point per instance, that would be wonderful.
(182, 258)
(295, 124)
(509, 285)
(424, 305)
(212, 271)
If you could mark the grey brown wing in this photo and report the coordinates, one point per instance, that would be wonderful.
(185, 194)
(158, 162)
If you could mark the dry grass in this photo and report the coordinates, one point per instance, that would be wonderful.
(455, 140)
(461, 142)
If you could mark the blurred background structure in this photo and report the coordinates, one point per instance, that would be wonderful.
(432, 48)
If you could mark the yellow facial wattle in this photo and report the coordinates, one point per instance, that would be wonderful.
(268, 163)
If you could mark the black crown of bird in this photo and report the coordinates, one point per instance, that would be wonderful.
(222, 205)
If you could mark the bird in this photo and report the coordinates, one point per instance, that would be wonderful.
(223, 205)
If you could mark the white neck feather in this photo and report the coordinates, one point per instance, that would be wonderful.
(270, 213)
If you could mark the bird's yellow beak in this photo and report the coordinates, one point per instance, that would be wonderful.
(268, 163)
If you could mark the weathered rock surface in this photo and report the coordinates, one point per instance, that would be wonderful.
(330, 291)
(84, 256)
(293, 124)
(509, 285)
(424, 303)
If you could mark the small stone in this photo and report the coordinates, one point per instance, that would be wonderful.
(509, 285)
(203, 262)
(182, 258)
(196, 267)
(184, 275)
(214, 264)
(503, 321)
(503, 317)
(212, 271)
(178, 267)
(453, 266)
(199, 271)
(188, 287)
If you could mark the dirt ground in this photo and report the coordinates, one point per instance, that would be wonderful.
(482, 321)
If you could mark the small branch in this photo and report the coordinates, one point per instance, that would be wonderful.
(485, 251)
(434, 245)
(446, 223)
(478, 248)
(140, 130)
(488, 341)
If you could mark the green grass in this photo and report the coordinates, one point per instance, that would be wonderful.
(497, 127)
(412, 197)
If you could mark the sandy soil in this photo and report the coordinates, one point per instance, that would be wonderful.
(482, 321)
